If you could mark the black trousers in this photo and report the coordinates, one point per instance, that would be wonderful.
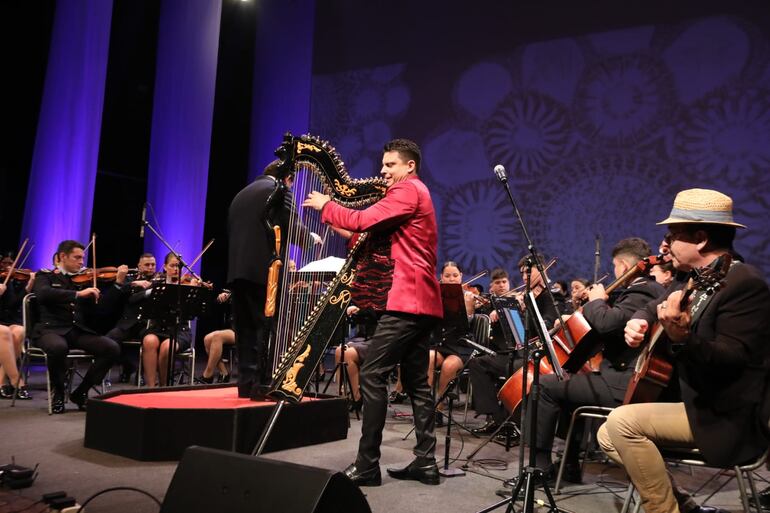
(105, 351)
(485, 373)
(606, 388)
(399, 339)
(251, 335)
(129, 354)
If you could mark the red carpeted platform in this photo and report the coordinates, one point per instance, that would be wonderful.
(158, 425)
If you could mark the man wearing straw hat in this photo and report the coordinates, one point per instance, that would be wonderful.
(720, 346)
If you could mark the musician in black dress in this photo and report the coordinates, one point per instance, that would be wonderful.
(61, 325)
(156, 339)
(451, 354)
(607, 387)
(264, 203)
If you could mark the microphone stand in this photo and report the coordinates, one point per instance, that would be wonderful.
(530, 476)
(597, 257)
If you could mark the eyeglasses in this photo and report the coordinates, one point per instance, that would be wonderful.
(671, 236)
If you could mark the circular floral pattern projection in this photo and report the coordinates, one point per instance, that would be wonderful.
(527, 133)
(478, 228)
(623, 100)
(726, 136)
(613, 196)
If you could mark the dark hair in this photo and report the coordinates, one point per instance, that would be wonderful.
(584, 281)
(146, 255)
(407, 150)
(719, 236)
(523, 260)
(498, 273)
(667, 266)
(168, 257)
(451, 263)
(633, 246)
(67, 246)
(278, 169)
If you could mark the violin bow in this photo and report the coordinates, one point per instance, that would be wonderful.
(195, 260)
(29, 252)
(15, 261)
(476, 277)
(93, 261)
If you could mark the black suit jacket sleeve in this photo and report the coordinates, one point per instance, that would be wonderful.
(611, 319)
(48, 294)
(291, 221)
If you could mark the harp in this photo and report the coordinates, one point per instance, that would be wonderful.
(312, 297)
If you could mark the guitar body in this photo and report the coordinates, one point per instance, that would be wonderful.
(653, 373)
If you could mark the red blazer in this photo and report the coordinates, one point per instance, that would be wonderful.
(406, 212)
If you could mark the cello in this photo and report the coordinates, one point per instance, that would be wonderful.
(586, 343)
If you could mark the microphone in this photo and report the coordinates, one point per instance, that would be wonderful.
(144, 219)
(500, 172)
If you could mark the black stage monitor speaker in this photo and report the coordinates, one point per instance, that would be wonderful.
(210, 480)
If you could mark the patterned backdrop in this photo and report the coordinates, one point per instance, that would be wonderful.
(597, 132)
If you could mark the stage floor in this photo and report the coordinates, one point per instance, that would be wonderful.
(56, 443)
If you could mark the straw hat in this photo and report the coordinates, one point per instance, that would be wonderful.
(702, 206)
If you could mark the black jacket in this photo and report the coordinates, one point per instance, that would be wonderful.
(723, 369)
(58, 308)
(609, 319)
(251, 243)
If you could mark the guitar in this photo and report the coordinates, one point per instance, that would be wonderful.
(654, 366)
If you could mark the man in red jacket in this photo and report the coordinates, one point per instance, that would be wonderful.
(404, 235)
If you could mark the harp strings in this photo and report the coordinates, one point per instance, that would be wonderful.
(301, 289)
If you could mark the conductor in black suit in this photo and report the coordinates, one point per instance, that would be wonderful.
(264, 203)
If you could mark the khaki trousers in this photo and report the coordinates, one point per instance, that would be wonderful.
(631, 437)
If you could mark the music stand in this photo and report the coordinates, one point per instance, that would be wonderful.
(172, 304)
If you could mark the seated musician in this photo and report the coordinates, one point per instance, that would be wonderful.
(607, 387)
(156, 339)
(719, 344)
(130, 325)
(578, 287)
(486, 371)
(61, 325)
(213, 342)
(12, 332)
(663, 273)
(356, 349)
(451, 355)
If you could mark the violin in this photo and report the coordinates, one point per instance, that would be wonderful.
(193, 281)
(18, 274)
(103, 275)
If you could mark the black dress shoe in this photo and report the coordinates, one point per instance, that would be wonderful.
(487, 429)
(371, 477)
(572, 472)
(80, 399)
(22, 394)
(708, 509)
(203, 380)
(425, 472)
(57, 403)
(397, 397)
(6, 392)
(355, 406)
(224, 378)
